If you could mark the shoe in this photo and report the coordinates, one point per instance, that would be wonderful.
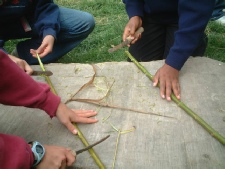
(15, 53)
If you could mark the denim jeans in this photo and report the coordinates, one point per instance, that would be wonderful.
(75, 26)
(218, 10)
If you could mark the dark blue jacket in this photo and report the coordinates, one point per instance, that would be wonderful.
(191, 16)
(42, 14)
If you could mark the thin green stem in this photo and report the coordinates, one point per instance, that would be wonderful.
(117, 142)
(81, 136)
(206, 126)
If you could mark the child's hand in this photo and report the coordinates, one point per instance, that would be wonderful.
(56, 158)
(169, 82)
(66, 116)
(45, 48)
(22, 64)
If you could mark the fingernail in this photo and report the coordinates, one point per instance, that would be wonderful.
(163, 96)
(168, 98)
(74, 131)
(154, 84)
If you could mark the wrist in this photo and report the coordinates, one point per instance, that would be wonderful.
(38, 152)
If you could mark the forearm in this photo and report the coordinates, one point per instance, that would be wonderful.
(19, 89)
(15, 152)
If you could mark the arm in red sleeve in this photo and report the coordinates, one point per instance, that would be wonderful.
(19, 89)
(15, 153)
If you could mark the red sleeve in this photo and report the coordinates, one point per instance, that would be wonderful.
(15, 153)
(19, 89)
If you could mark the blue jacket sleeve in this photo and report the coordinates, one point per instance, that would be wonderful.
(193, 18)
(47, 18)
(134, 7)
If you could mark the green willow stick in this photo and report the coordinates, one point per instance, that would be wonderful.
(46, 77)
(81, 136)
(206, 126)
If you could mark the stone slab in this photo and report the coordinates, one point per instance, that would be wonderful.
(158, 142)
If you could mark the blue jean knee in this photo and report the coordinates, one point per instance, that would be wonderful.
(75, 26)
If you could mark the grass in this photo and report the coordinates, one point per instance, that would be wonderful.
(111, 17)
(216, 41)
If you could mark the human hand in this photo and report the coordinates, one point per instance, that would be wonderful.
(45, 48)
(169, 81)
(56, 158)
(131, 27)
(22, 64)
(66, 116)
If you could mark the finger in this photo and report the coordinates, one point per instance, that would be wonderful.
(20, 63)
(28, 69)
(132, 31)
(33, 52)
(90, 114)
(78, 119)
(126, 33)
(176, 89)
(155, 80)
(168, 90)
(70, 158)
(85, 113)
(71, 127)
(86, 120)
(162, 88)
(46, 51)
(41, 50)
(63, 165)
(134, 41)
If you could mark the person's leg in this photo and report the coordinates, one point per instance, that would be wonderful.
(75, 27)
(152, 43)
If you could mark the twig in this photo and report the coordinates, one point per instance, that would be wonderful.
(80, 134)
(92, 145)
(118, 107)
(117, 142)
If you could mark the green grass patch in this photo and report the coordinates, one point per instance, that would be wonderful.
(111, 18)
(216, 41)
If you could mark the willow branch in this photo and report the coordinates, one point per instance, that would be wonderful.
(80, 134)
(206, 126)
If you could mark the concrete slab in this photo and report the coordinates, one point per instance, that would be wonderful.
(158, 142)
